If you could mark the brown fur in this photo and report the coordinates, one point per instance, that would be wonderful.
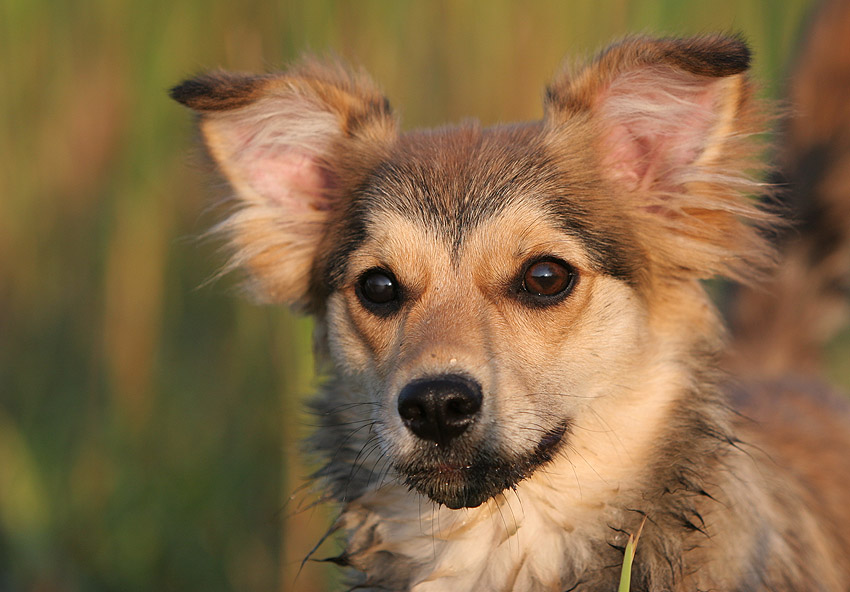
(600, 406)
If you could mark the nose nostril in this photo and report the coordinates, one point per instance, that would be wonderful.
(410, 409)
(440, 408)
(461, 406)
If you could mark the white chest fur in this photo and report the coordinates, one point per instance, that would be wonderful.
(532, 539)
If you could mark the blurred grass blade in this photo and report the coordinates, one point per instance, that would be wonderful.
(628, 558)
(626, 574)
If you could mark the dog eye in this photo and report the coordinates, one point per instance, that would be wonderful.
(378, 291)
(548, 279)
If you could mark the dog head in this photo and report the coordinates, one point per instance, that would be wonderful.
(490, 292)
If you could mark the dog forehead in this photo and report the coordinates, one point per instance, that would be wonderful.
(451, 181)
(494, 247)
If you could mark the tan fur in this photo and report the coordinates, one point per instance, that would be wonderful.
(584, 412)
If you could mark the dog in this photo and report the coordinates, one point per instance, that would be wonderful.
(524, 365)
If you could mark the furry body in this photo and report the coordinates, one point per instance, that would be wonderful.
(524, 364)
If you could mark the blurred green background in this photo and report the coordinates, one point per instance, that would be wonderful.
(148, 420)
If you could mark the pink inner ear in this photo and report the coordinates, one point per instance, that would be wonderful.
(288, 178)
(626, 156)
(655, 122)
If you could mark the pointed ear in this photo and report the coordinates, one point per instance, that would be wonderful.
(290, 145)
(673, 122)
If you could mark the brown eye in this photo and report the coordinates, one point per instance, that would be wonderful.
(378, 291)
(548, 279)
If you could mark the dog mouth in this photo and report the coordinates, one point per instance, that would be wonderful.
(466, 479)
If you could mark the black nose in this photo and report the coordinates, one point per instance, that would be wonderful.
(439, 408)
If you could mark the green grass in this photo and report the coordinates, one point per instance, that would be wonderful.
(147, 421)
(628, 559)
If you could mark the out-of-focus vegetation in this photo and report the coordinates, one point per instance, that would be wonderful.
(148, 421)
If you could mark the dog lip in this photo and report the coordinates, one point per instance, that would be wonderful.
(551, 440)
(469, 480)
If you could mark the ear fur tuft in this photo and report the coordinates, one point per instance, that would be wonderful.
(675, 124)
(217, 91)
(291, 145)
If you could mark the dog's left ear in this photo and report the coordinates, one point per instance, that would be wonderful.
(672, 122)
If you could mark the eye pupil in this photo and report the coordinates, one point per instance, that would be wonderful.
(547, 278)
(378, 287)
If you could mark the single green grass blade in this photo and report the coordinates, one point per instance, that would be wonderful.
(626, 573)
(628, 558)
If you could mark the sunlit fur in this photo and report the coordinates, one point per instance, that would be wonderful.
(601, 409)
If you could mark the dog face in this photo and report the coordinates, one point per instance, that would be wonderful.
(476, 310)
(488, 294)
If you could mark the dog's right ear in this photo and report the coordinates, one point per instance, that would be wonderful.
(675, 129)
(290, 145)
